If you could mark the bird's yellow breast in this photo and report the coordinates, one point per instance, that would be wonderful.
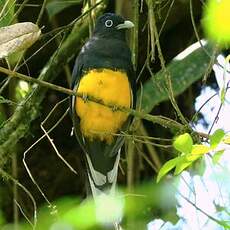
(98, 121)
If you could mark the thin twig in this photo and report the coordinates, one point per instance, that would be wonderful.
(166, 17)
(145, 157)
(51, 141)
(8, 176)
(59, 31)
(91, 17)
(23, 213)
(45, 135)
(151, 149)
(38, 50)
(15, 190)
(28, 5)
(221, 223)
(134, 46)
(168, 76)
(202, 106)
(215, 51)
(215, 119)
(22, 5)
(41, 12)
(34, 181)
(151, 28)
(130, 165)
(135, 40)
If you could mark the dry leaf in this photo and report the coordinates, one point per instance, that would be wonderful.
(17, 37)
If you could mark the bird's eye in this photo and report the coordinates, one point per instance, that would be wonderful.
(109, 23)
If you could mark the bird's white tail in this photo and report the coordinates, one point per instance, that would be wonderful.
(101, 183)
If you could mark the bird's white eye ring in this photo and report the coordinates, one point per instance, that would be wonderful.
(109, 23)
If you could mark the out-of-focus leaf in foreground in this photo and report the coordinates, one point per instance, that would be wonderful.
(216, 138)
(142, 205)
(216, 21)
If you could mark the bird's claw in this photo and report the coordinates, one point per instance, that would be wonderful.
(84, 97)
(114, 108)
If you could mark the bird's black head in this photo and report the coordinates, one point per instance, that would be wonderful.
(112, 25)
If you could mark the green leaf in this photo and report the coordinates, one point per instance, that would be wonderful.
(216, 138)
(181, 165)
(167, 167)
(183, 72)
(183, 143)
(56, 6)
(197, 152)
(222, 95)
(227, 139)
(216, 157)
(6, 12)
(200, 149)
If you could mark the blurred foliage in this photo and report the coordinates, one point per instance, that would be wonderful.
(21, 90)
(216, 21)
(2, 219)
(139, 206)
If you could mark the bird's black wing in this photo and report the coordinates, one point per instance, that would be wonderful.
(76, 76)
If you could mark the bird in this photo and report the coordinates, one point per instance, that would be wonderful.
(103, 70)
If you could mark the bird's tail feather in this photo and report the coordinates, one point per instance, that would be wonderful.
(102, 182)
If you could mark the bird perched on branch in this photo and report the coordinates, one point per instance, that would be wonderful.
(103, 71)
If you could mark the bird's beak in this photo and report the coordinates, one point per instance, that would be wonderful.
(125, 25)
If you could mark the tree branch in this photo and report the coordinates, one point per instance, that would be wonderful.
(164, 121)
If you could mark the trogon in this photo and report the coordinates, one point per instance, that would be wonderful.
(104, 71)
